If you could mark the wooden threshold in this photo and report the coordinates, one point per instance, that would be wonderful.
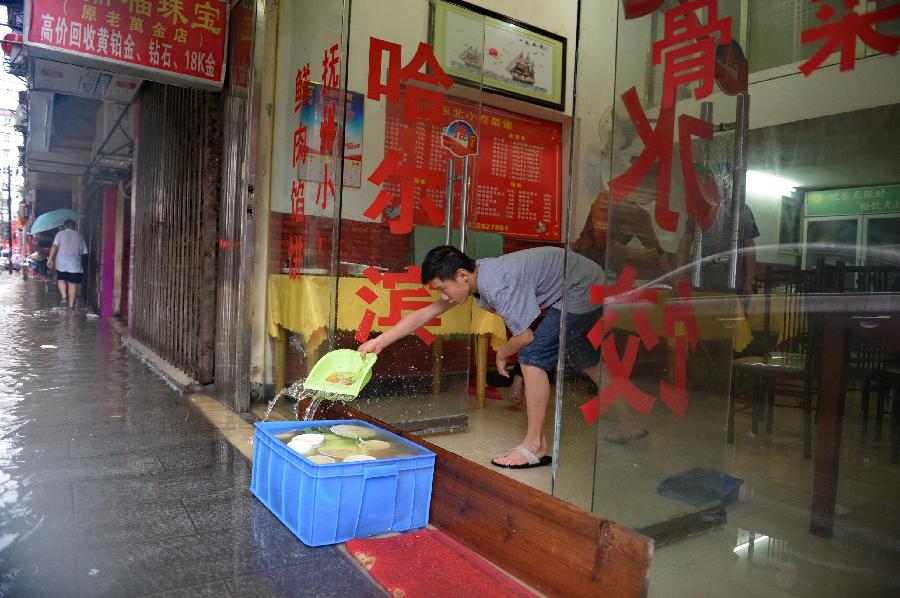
(555, 547)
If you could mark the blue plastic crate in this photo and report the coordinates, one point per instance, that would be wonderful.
(326, 504)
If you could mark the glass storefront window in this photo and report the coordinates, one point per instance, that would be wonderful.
(743, 415)
(305, 189)
(752, 272)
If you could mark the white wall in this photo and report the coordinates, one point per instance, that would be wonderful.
(596, 95)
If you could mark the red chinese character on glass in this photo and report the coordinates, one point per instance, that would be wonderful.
(701, 195)
(298, 202)
(328, 130)
(399, 300)
(679, 325)
(327, 127)
(843, 33)
(679, 311)
(620, 368)
(419, 104)
(330, 64)
(325, 188)
(301, 150)
(391, 167)
(301, 87)
(425, 103)
(295, 256)
(690, 48)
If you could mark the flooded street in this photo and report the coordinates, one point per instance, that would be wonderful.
(112, 484)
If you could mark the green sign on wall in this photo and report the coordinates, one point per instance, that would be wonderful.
(850, 202)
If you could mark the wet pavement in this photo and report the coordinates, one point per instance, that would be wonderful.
(112, 484)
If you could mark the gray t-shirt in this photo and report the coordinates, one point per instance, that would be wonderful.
(519, 286)
(71, 248)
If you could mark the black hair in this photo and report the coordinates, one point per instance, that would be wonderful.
(443, 261)
(69, 223)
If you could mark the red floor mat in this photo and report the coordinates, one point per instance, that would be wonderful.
(429, 563)
(489, 391)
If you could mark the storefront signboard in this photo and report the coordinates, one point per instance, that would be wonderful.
(849, 202)
(518, 172)
(181, 42)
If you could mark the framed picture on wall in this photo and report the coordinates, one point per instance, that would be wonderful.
(789, 224)
(499, 54)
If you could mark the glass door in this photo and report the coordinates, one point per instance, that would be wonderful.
(834, 239)
(660, 206)
(882, 239)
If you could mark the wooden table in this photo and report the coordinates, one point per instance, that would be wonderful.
(874, 318)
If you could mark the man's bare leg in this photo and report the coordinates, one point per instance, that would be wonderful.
(516, 391)
(73, 293)
(537, 395)
(61, 285)
(621, 424)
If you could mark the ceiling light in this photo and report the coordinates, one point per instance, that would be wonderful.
(763, 183)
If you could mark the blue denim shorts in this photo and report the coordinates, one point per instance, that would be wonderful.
(543, 351)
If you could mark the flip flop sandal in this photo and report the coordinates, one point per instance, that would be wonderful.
(533, 461)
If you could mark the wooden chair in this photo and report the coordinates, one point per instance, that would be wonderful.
(787, 365)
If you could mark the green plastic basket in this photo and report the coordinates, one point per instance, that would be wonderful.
(342, 372)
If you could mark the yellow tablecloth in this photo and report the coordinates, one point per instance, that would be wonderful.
(304, 305)
(719, 317)
(779, 306)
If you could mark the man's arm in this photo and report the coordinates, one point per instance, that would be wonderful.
(53, 251)
(511, 347)
(406, 326)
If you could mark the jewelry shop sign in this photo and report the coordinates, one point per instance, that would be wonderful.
(181, 42)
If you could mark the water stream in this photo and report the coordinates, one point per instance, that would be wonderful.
(299, 392)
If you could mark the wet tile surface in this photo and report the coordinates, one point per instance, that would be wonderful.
(111, 484)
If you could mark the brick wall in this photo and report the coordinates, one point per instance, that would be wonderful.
(361, 243)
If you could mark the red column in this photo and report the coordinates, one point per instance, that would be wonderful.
(108, 257)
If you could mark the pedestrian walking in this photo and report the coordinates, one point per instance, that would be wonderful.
(65, 256)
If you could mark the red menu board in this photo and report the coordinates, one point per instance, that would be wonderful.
(517, 179)
(172, 41)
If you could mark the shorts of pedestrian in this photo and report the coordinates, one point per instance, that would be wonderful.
(543, 351)
(73, 277)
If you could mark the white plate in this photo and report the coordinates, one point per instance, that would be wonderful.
(352, 431)
(375, 445)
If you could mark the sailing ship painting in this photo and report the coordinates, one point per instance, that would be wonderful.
(471, 57)
(521, 69)
(499, 55)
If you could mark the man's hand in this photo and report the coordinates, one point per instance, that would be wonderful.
(50, 264)
(512, 346)
(501, 364)
(374, 345)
